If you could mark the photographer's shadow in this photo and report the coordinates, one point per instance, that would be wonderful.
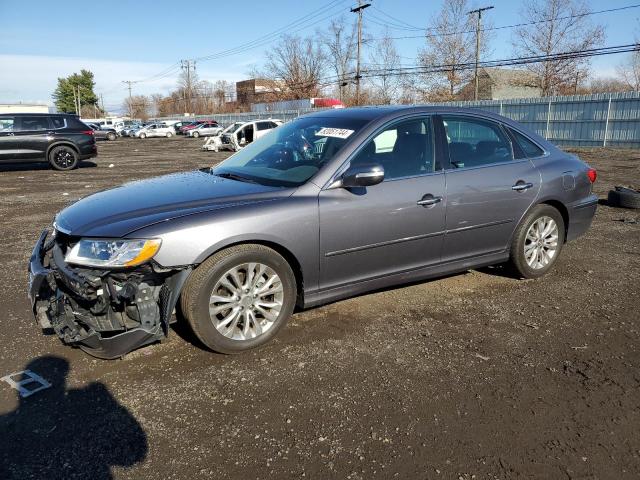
(75, 433)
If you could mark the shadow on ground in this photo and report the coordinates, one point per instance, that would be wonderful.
(68, 433)
(34, 166)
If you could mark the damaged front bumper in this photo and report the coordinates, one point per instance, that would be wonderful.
(107, 313)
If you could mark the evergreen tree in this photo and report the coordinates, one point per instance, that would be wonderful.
(64, 96)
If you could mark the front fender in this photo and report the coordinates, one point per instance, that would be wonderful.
(291, 223)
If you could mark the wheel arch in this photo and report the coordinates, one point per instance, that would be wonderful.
(552, 202)
(286, 253)
(564, 211)
(60, 144)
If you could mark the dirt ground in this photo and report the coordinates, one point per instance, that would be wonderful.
(475, 376)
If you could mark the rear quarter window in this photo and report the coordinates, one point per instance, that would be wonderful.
(530, 149)
(57, 122)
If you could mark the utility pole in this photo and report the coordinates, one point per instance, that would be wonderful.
(188, 65)
(75, 99)
(104, 113)
(478, 11)
(129, 83)
(79, 103)
(361, 6)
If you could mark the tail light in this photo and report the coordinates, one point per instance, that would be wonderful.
(88, 132)
(592, 174)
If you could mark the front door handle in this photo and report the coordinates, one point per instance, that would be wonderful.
(429, 200)
(521, 186)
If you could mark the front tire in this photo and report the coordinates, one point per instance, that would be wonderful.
(239, 298)
(143, 135)
(169, 134)
(537, 242)
(196, 134)
(63, 158)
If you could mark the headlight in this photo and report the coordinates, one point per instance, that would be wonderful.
(112, 253)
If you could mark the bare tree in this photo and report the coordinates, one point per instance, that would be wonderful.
(297, 64)
(629, 71)
(556, 26)
(384, 59)
(187, 83)
(606, 85)
(139, 106)
(222, 93)
(339, 42)
(450, 47)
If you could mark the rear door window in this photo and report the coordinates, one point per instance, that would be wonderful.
(474, 142)
(33, 124)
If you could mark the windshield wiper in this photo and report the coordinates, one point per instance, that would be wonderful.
(235, 176)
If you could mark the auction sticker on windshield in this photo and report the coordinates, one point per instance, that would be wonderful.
(334, 132)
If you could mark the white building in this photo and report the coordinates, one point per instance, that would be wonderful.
(26, 108)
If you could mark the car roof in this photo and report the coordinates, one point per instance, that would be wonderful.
(376, 112)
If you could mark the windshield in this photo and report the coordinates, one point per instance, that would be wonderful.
(233, 127)
(291, 154)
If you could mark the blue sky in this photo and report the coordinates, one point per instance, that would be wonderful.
(133, 40)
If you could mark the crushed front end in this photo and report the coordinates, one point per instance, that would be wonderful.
(107, 313)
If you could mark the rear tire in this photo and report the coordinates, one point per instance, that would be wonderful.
(196, 134)
(63, 158)
(143, 135)
(537, 242)
(111, 136)
(169, 134)
(239, 298)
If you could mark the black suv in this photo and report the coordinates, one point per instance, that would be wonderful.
(60, 139)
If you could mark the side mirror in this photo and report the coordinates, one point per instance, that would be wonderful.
(363, 176)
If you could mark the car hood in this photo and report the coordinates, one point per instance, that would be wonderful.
(120, 211)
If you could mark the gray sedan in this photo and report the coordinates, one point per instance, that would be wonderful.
(331, 205)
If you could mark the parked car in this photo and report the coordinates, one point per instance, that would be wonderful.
(213, 143)
(60, 139)
(178, 126)
(154, 130)
(103, 133)
(130, 129)
(185, 129)
(246, 133)
(205, 130)
(328, 206)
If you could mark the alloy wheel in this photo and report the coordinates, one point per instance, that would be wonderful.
(541, 243)
(63, 159)
(246, 301)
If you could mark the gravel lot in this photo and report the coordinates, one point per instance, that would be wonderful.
(477, 375)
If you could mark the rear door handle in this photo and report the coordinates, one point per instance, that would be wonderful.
(429, 200)
(521, 186)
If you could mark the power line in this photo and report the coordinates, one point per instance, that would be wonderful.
(515, 25)
(302, 23)
(408, 26)
(571, 55)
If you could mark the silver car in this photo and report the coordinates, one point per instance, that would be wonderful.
(328, 206)
(205, 130)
